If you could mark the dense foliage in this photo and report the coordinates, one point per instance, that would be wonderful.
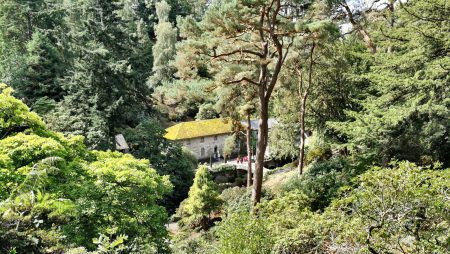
(404, 208)
(55, 193)
(197, 210)
(168, 158)
(405, 108)
(360, 90)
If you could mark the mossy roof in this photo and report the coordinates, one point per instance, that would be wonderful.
(201, 128)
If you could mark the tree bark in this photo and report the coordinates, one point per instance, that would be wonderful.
(266, 86)
(391, 22)
(304, 96)
(301, 119)
(260, 151)
(302, 135)
(249, 152)
(29, 26)
(364, 33)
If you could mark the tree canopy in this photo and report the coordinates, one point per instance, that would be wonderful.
(358, 92)
(55, 193)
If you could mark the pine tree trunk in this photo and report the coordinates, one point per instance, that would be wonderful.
(29, 26)
(260, 151)
(368, 40)
(302, 135)
(364, 33)
(249, 152)
(266, 85)
(391, 22)
(304, 97)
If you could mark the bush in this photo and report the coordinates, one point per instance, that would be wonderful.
(402, 209)
(146, 141)
(236, 199)
(318, 149)
(244, 233)
(54, 193)
(322, 180)
(309, 236)
(317, 154)
(188, 243)
(225, 168)
(284, 212)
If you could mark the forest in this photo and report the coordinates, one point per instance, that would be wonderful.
(360, 90)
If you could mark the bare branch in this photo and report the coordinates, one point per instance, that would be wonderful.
(237, 51)
(243, 79)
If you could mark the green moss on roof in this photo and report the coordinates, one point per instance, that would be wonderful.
(202, 128)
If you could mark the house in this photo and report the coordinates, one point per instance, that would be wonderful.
(204, 138)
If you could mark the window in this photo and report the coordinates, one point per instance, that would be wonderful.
(215, 137)
(202, 152)
(202, 140)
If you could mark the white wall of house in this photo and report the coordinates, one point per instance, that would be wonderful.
(208, 144)
(202, 147)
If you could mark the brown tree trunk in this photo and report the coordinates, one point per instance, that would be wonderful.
(260, 151)
(249, 152)
(364, 33)
(391, 22)
(266, 85)
(301, 158)
(304, 97)
(261, 143)
(29, 26)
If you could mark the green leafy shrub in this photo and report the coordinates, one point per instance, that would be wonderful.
(401, 209)
(223, 168)
(322, 180)
(244, 233)
(404, 208)
(15, 116)
(23, 149)
(310, 235)
(146, 141)
(316, 154)
(188, 243)
(283, 213)
(318, 148)
(236, 199)
(295, 228)
(54, 193)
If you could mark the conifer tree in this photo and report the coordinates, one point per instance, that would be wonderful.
(32, 60)
(405, 108)
(246, 44)
(164, 48)
(106, 87)
(303, 63)
(44, 69)
(203, 199)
